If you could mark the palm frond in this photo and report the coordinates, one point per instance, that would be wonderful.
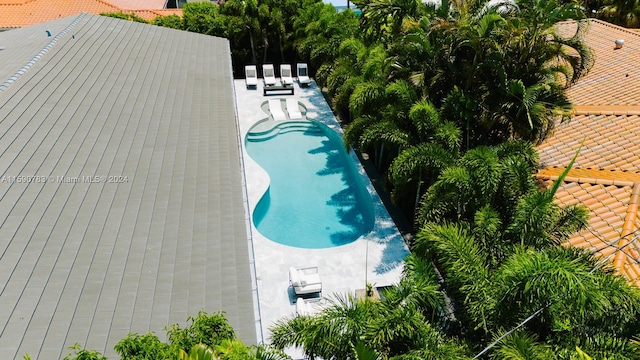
(384, 132)
(522, 346)
(413, 163)
(366, 94)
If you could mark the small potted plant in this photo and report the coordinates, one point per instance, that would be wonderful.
(369, 289)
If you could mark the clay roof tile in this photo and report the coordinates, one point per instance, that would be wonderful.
(20, 13)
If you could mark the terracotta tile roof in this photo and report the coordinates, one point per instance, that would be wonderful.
(606, 175)
(20, 13)
(613, 225)
(614, 78)
(139, 4)
(605, 178)
(612, 143)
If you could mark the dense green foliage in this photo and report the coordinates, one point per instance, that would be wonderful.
(140, 347)
(207, 336)
(399, 324)
(620, 12)
(206, 329)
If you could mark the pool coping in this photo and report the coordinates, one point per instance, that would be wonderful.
(380, 252)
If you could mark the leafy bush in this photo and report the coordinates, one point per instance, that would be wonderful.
(170, 21)
(142, 347)
(83, 354)
(209, 329)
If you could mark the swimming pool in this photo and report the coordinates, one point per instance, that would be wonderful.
(316, 198)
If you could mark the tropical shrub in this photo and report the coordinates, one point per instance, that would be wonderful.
(141, 347)
(208, 329)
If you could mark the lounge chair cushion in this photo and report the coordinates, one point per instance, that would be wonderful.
(285, 74)
(294, 276)
(312, 279)
(268, 74)
(303, 74)
(303, 278)
(305, 281)
(251, 75)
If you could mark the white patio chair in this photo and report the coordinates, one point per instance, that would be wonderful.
(293, 109)
(269, 75)
(251, 75)
(275, 108)
(305, 281)
(285, 74)
(303, 74)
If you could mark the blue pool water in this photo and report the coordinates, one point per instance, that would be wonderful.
(316, 198)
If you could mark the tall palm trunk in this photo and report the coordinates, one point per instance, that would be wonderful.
(253, 47)
(415, 204)
(265, 41)
(381, 155)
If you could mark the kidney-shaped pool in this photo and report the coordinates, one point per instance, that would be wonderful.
(316, 198)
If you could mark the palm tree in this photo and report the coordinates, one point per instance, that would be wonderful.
(464, 188)
(381, 109)
(501, 75)
(417, 167)
(267, 352)
(390, 327)
(497, 177)
(434, 145)
(464, 267)
(383, 19)
(331, 333)
(319, 30)
(539, 222)
(577, 302)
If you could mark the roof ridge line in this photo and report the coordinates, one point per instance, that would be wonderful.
(40, 54)
(627, 227)
(606, 110)
(584, 180)
(20, 2)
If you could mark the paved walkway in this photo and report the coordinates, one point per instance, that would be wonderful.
(378, 254)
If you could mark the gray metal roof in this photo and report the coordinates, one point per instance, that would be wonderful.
(121, 196)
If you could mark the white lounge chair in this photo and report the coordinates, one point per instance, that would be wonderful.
(293, 109)
(251, 75)
(286, 77)
(269, 75)
(305, 280)
(275, 108)
(303, 74)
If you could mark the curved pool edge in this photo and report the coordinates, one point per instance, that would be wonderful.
(384, 230)
(267, 129)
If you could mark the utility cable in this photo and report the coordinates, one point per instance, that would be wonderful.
(530, 317)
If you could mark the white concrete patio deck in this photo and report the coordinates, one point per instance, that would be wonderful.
(342, 269)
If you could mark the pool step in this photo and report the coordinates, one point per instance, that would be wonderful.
(284, 127)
